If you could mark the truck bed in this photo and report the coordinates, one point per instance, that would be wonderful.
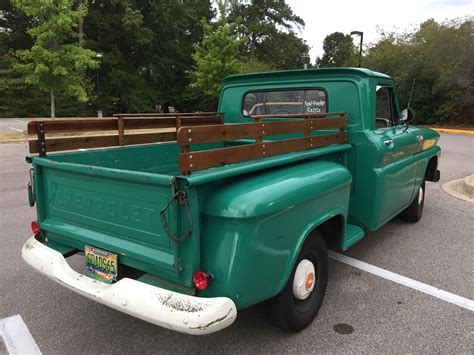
(112, 198)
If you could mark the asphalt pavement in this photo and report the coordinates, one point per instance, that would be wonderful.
(13, 124)
(378, 315)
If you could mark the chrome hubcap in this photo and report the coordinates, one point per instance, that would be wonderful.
(304, 280)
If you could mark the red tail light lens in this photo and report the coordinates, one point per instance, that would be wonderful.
(35, 228)
(201, 280)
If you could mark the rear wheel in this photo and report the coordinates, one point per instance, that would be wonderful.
(414, 212)
(299, 302)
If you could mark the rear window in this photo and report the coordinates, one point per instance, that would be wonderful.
(281, 102)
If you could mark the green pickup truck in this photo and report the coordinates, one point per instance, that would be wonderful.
(183, 219)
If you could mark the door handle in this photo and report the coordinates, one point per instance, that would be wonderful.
(388, 142)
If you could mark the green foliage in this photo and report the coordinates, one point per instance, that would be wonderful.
(267, 31)
(438, 58)
(147, 47)
(254, 66)
(153, 50)
(283, 51)
(216, 57)
(56, 60)
(339, 51)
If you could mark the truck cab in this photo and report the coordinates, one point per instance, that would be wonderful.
(184, 227)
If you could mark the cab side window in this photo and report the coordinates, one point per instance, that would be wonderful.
(384, 108)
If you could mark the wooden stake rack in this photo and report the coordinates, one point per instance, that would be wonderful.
(301, 123)
(189, 129)
(94, 137)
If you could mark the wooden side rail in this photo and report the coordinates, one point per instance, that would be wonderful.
(89, 133)
(189, 114)
(190, 161)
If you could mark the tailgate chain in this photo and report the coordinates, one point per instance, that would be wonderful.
(31, 189)
(179, 196)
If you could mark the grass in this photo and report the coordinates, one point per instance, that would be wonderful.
(6, 136)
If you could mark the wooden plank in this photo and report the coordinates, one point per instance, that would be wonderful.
(197, 121)
(74, 125)
(143, 138)
(61, 126)
(215, 157)
(217, 133)
(164, 122)
(85, 142)
(70, 143)
(167, 114)
(229, 132)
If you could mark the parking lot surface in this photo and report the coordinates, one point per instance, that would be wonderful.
(361, 312)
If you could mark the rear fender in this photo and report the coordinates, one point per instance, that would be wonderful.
(310, 228)
(254, 228)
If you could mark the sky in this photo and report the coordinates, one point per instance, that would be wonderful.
(323, 17)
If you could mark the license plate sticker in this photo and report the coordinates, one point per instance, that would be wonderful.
(100, 264)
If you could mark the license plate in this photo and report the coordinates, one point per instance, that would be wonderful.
(101, 265)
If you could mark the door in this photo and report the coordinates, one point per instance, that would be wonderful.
(397, 143)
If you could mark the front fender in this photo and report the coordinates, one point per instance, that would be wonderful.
(253, 228)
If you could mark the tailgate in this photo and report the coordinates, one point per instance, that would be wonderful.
(116, 210)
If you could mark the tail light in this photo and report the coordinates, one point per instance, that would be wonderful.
(35, 228)
(201, 279)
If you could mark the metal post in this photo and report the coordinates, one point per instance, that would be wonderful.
(361, 35)
(99, 111)
(305, 65)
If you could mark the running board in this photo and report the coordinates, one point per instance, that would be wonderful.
(352, 235)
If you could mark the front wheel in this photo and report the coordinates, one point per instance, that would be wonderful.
(299, 302)
(414, 212)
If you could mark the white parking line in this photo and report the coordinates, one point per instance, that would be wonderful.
(17, 337)
(402, 280)
(16, 129)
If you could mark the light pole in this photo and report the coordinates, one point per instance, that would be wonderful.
(99, 111)
(361, 34)
(305, 56)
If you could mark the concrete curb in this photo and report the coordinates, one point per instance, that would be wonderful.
(452, 130)
(468, 185)
(461, 188)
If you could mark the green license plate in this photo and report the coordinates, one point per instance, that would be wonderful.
(100, 264)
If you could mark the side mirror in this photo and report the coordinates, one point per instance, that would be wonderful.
(407, 115)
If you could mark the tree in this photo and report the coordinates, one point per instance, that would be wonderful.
(57, 61)
(437, 57)
(338, 50)
(266, 28)
(16, 98)
(216, 57)
(284, 51)
(147, 47)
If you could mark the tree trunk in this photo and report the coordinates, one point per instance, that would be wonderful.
(253, 45)
(53, 109)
